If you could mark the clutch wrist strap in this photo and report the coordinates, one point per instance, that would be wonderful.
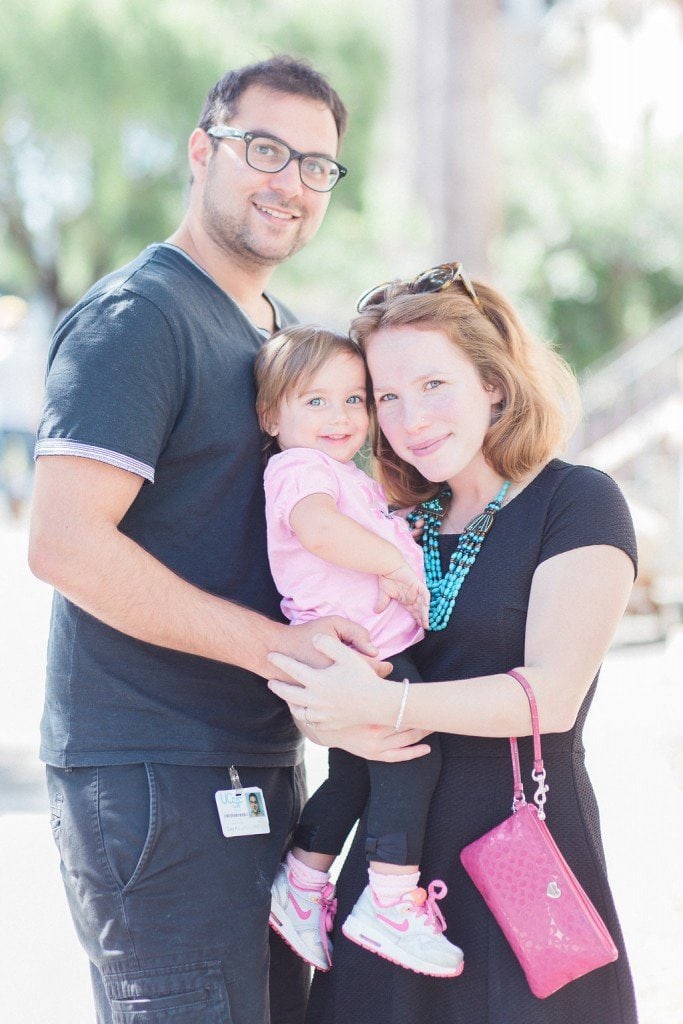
(538, 774)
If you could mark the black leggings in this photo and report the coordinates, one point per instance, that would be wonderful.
(398, 796)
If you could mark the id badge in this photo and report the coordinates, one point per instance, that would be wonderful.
(242, 812)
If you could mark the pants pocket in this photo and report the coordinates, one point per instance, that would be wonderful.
(188, 994)
(127, 812)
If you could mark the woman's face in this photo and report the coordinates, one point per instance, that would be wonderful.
(432, 405)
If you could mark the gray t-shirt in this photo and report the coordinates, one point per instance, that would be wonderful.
(152, 372)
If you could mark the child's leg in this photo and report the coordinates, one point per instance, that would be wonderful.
(399, 799)
(302, 904)
(332, 811)
(400, 795)
(393, 917)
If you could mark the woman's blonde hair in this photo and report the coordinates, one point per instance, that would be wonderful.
(540, 405)
(285, 364)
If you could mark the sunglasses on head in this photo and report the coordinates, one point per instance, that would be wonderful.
(436, 279)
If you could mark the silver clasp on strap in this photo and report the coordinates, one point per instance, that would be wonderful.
(518, 800)
(541, 790)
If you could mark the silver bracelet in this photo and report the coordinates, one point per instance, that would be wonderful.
(404, 701)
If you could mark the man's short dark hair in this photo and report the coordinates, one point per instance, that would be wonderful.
(280, 73)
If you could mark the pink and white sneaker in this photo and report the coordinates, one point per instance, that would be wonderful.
(409, 931)
(303, 917)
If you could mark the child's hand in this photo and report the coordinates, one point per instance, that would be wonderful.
(415, 528)
(406, 587)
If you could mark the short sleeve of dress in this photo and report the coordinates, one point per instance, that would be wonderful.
(114, 384)
(588, 509)
(294, 474)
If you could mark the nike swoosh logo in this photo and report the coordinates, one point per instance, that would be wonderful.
(303, 914)
(402, 927)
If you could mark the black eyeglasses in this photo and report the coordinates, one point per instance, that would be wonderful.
(266, 153)
(436, 279)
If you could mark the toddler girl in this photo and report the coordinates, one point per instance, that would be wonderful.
(335, 549)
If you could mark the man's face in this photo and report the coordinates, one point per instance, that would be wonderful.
(257, 217)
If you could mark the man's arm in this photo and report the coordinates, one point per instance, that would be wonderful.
(76, 546)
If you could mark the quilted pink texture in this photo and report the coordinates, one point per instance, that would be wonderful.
(551, 925)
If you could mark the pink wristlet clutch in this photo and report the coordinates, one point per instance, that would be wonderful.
(553, 928)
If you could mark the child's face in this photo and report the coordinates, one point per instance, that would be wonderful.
(331, 412)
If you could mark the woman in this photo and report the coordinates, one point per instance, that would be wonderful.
(474, 411)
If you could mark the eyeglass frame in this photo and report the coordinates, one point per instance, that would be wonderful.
(224, 131)
(454, 272)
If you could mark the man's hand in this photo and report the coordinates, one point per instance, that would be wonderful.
(297, 642)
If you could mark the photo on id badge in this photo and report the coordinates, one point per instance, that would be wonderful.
(242, 812)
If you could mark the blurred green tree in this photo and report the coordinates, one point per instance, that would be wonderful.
(593, 242)
(97, 101)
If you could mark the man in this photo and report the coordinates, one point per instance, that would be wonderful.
(148, 520)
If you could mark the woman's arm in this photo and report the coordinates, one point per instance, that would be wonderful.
(371, 742)
(577, 599)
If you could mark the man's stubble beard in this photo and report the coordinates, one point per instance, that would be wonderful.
(234, 239)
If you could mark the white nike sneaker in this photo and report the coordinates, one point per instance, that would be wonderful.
(303, 917)
(409, 931)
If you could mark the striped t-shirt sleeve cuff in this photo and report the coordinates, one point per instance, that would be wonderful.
(65, 446)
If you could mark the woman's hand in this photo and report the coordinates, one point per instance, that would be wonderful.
(345, 694)
(371, 742)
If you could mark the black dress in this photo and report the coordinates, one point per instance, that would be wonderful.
(565, 507)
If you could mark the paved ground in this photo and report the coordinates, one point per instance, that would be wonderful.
(635, 742)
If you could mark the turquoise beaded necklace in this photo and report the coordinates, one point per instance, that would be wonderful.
(445, 588)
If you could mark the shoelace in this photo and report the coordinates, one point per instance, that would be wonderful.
(425, 903)
(328, 908)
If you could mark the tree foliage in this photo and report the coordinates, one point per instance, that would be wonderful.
(594, 237)
(98, 101)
